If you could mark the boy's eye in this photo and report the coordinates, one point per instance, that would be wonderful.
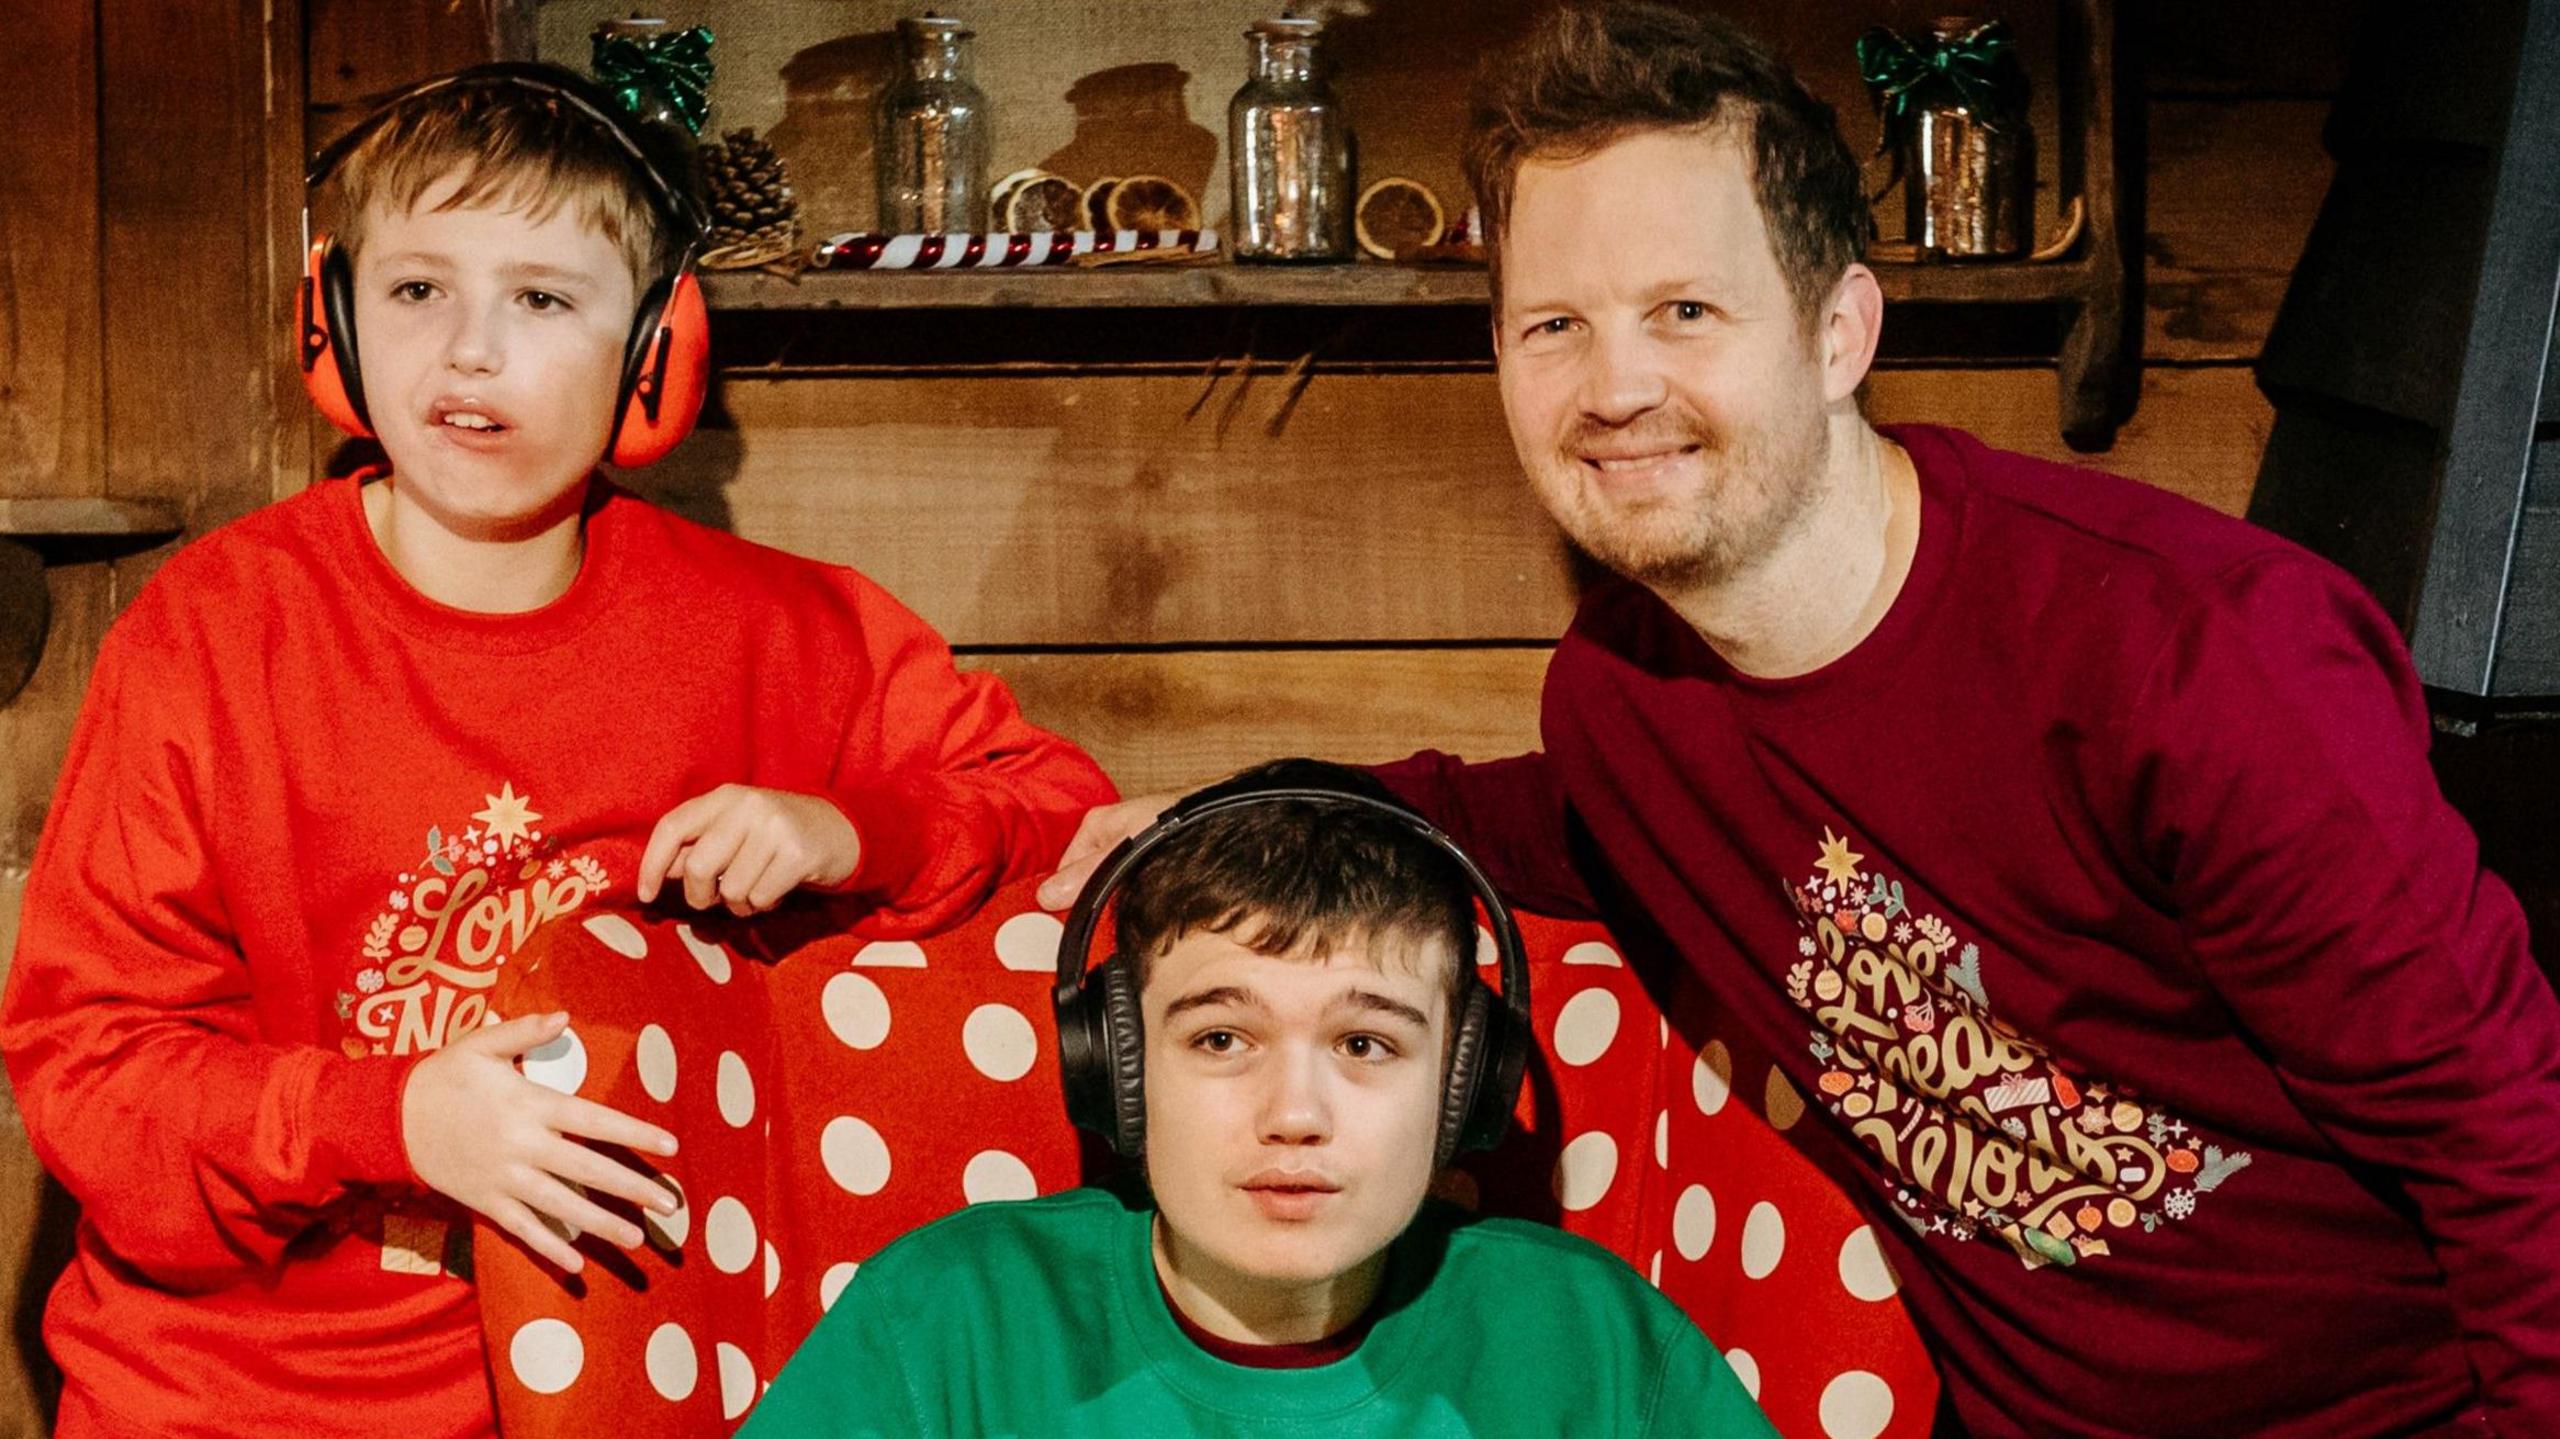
(1367, 1046)
(544, 300)
(413, 291)
(1216, 1041)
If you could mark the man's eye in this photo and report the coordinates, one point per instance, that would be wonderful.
(1216, 1041)
(1689, 311)
(1555, 326)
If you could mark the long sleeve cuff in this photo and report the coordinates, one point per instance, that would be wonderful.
(356, 1128)
(892, 826)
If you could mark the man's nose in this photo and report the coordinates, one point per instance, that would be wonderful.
(1622, 379)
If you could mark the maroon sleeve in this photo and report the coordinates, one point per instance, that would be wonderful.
(2336, 901)
(1511, 818)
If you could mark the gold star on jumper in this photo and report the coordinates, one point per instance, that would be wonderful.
(1838, 860)
(508, 816)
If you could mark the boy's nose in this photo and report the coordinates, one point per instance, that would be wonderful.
(475, 347)
(1294, 1109)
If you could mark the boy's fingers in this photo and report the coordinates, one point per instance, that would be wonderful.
(603, 1174)
(517, 1036)
(567, 1205)
(770, 888)
(529, 1231)
(666, 842)
(745, 875)
(1103, 828)
(589, 1120)
(710, 857)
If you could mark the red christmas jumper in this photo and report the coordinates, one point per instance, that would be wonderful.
(2103, 911)
(308, 812)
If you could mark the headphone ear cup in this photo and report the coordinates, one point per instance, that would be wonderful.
(1460, 1124)
(324, 341)
(666, 372)
(1125, 1042)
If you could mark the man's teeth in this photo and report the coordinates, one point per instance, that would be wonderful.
(469, 421)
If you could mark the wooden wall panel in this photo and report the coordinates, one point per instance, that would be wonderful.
(1097, 509)
(1170, 721)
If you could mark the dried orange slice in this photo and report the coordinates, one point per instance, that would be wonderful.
(1045, 202)
(1396, 215)
(1000, 194)
(1097, 202)
(1150, 202)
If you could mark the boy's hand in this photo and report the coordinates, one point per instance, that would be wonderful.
(1105, 825)
(483, 1134)
(746, 848)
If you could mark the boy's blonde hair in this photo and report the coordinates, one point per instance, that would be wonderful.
(516, 148)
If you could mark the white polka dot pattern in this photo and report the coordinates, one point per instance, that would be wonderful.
(1693, 1222)
(617, 934)
(1856, 1405)
(654, 1054)
(1764, 1240)
(1030, 942)
(737, 1379)
(1585, 1026)
(999, 1041)
(729, 1235)
(713, 959)
(673, 1365)
(855, 1010)
(994, 1174)
(831, 1284)
(736, 1090)
(1863, 1270)
(546, 1355)
(854, 1155)
(1711, 1077)
(1585, 1169)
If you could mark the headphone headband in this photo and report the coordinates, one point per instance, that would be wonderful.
(674, 203)
(1488, 1056)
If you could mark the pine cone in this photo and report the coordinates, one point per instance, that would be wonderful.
(750, 192)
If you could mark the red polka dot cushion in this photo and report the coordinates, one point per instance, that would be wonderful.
(835, 1095)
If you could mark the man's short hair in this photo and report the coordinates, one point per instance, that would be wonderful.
(1281, 876)
(1590, 75)
(516, 148)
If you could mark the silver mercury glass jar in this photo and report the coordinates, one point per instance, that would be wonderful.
(932, 140)
(1288, 151)
(1969, 188)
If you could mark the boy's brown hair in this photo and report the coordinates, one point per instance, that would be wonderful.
(516, 148)
(1589, 75)
(1286, 876)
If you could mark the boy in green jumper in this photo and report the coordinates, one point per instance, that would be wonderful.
(1295, 966)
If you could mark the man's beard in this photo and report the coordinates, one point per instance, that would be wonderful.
(1760, 481)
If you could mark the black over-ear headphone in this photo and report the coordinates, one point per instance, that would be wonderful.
(1101, 1040)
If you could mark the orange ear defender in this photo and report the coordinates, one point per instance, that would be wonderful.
(666, 366)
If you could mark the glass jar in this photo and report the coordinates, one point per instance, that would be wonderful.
(932, 140)
(643, 90)
(1288, 151)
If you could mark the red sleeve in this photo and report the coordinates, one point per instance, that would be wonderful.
(197, 1148)
(952, 793)
(2337, 903)
(1511, 818)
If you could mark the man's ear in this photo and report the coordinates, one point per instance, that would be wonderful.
(1852, 324)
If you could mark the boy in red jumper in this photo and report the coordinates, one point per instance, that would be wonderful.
(338, 759)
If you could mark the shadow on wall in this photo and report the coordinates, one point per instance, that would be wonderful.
(830, 104)
(1133, 120)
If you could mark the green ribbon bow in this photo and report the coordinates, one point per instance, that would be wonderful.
(675, 68)
(1976, 70)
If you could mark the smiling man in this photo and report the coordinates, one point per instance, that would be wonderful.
(2073, 845)
(1297, 963)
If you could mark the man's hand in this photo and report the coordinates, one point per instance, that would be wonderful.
(483, 1134)
(1105, 825)
(746, 848)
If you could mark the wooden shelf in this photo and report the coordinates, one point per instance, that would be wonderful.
(1354, 286)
